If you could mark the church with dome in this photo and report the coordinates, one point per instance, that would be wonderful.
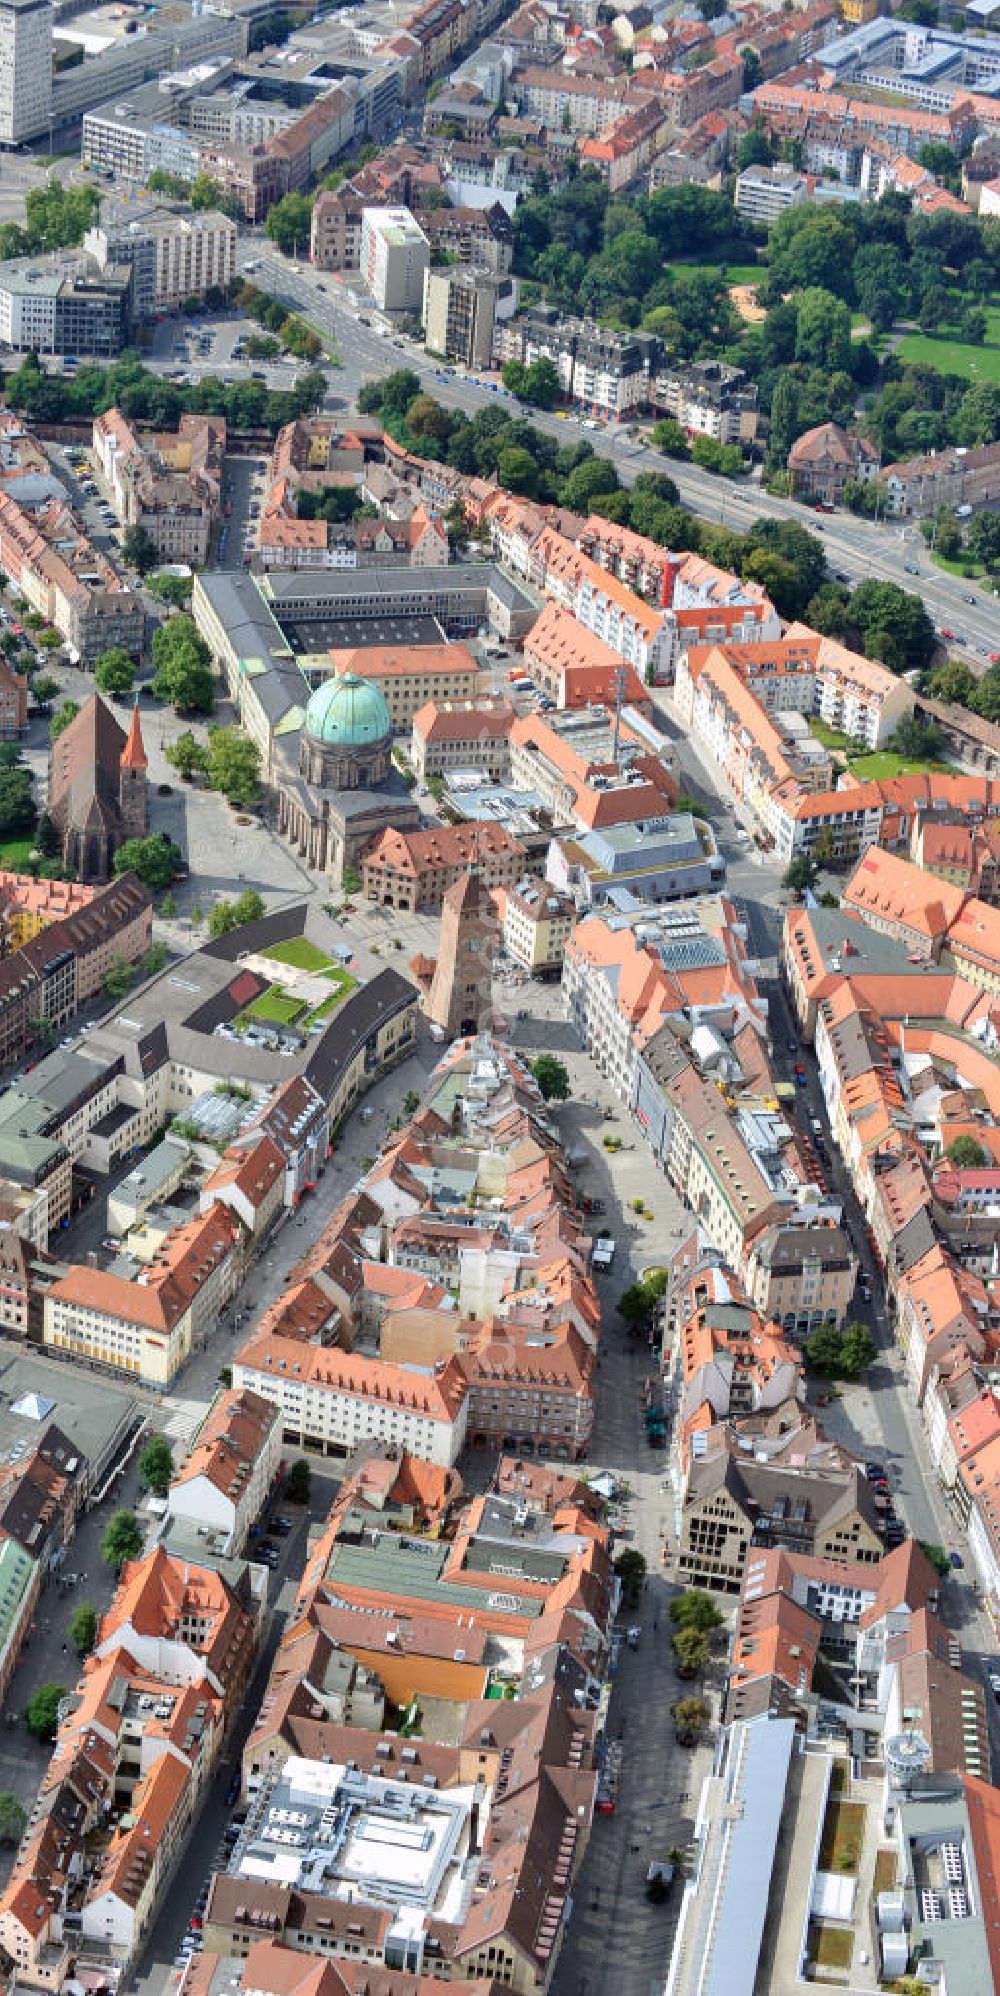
(337, 785)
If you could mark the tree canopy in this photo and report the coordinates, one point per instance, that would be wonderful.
(552, 1076)
(42, 1714)
(114, 671)
(122, 1539)
(182, 659)
(156, 1465)
(155, 859)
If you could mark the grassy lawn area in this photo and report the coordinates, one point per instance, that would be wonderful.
(885, 1871)
(883, 763)
(300, 953)
(831, 1947)
(14, 853)
(744, 273)
(956, 356)
(831, 738)
(843, 1836)
(967, 567)
(335, 975)
(277, 1008)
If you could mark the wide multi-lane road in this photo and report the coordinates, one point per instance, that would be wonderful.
(856, 549)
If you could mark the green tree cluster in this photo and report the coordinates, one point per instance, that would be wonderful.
(843, 1354)
(114, 671)
(147, 397)
(639, 1304)
(156, 1465)
(122, 1539)
(552, 1076)
(226, 915)
(55, 217)
(18, 810)
(155, 859)
(183, 676)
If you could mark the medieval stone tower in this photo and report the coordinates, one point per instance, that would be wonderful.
(460, 999)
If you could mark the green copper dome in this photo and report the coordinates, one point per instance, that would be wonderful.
(347, 712)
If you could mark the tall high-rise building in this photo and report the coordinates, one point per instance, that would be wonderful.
(25, 69)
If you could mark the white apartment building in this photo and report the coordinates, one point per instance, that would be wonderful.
(225, 1482)
(25, 69)
(641, 635)
(590, 991)
(395, 253)
(331, 1400)
(764, 192)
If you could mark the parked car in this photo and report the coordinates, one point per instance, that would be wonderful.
(956, 1559)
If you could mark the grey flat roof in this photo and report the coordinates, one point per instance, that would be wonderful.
(357, 633)
(735, 1877)
(457, 578)
(94, 1412)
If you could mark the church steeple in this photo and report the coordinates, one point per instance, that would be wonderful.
(134, 753)
(132, 768)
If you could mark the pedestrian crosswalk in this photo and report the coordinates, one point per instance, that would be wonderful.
(184, 1418)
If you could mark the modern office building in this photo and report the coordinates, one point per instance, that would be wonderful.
(25, 69)
(460, 310)
(394, 256)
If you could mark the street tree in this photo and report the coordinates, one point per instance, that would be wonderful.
(552, 1076)
(800, 873)
(857, 1350)
(156, 1465)
(690, 1716)
(233, 764)
(18, 810)
(42, 1714)
(13, 1817)
(122, 1539)
(114, 671)
(298, 1486)
(695, 1610)
(226, 915)
(155, 859)
(82, 1628)
(188, 756)
(140, 549)
(691, 1650)
(288, 222)
(182, 659)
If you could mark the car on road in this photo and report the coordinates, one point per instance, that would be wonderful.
(910, 568)
(993, 1680)
(956, 1559)
(968, 597)
(946, 631)
(233, 1789)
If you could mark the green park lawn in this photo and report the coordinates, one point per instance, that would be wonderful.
(300, 953)
(973, 363)
(831, 738)
(883, 763)
(14, 853)
(278, 1008)
(967, 568)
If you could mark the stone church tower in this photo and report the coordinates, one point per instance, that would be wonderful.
(133, 770)
(460, 999)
